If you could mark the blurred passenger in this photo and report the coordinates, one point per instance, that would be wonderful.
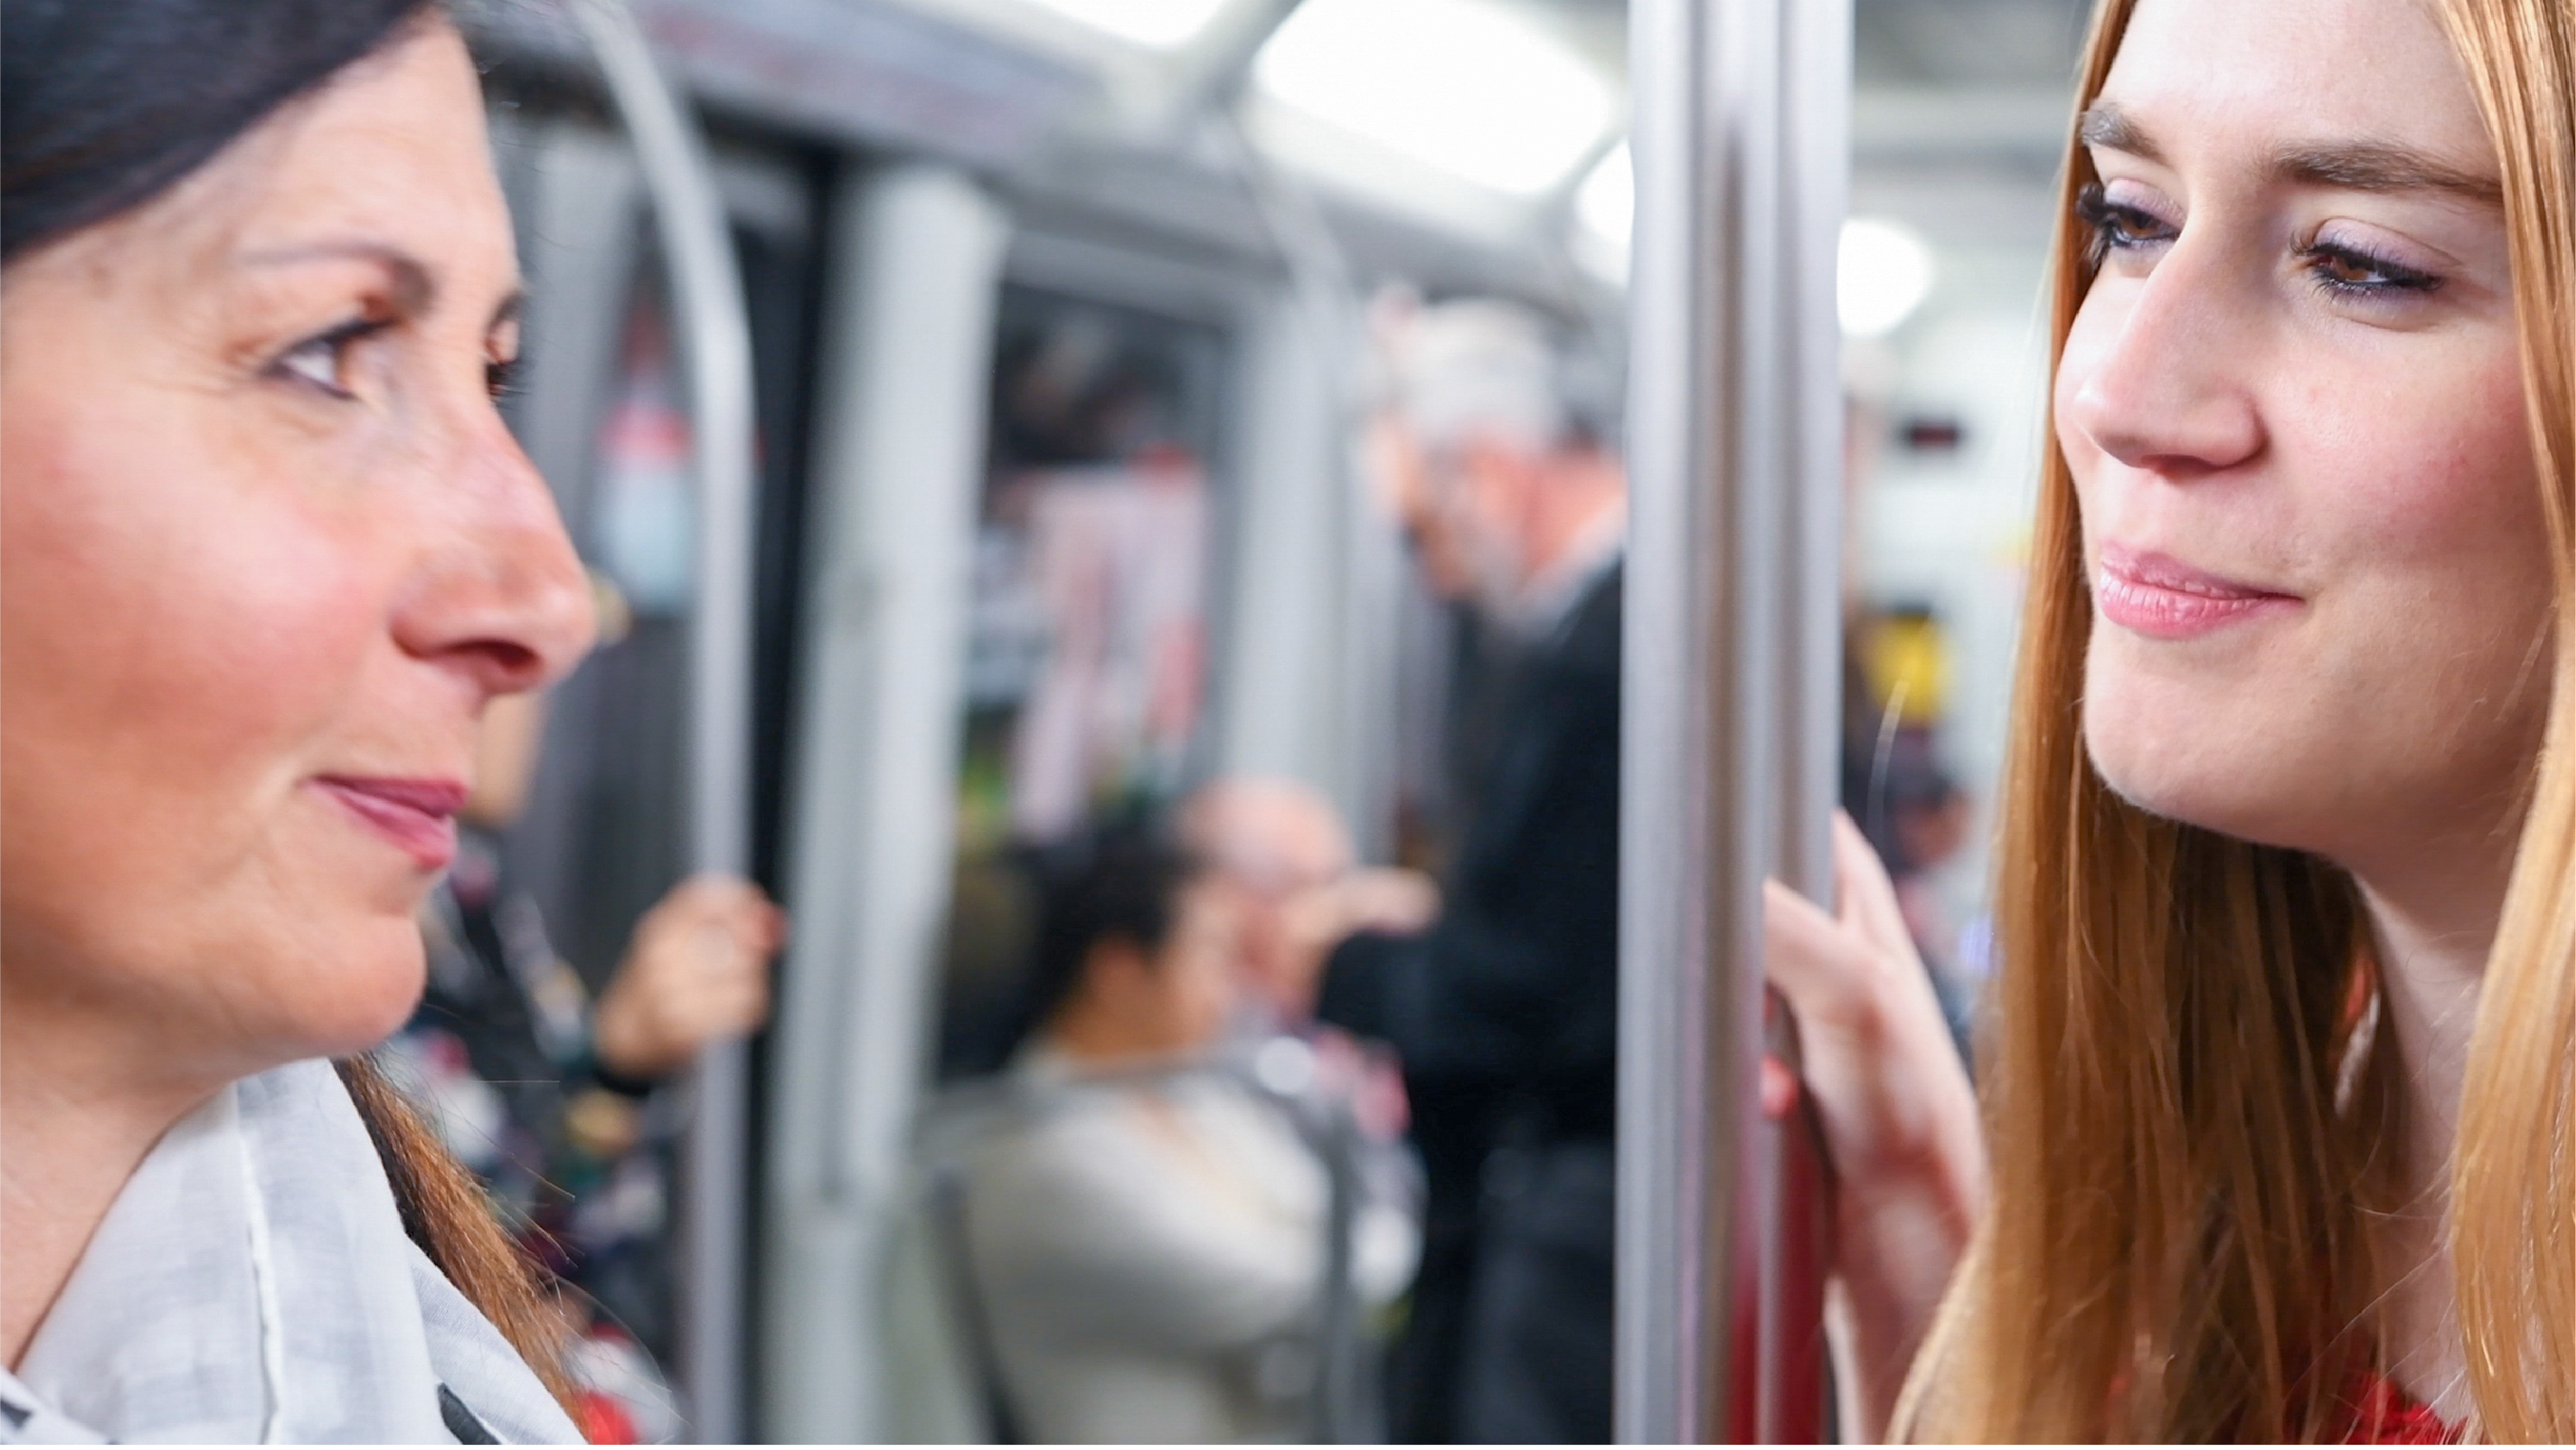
(269, 551)
(1146, 1236)
(2282, 1056)
(1284, 850)
(1914, 816)
(541, 1093)
(1505, 1012)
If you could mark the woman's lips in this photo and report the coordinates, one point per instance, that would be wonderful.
(2164, 598)
(417, 816)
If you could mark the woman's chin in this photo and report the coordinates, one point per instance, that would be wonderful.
(358, 996)
(2231, 796)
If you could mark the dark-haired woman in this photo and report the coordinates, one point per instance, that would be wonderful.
(266, 551)
(1146, 1231)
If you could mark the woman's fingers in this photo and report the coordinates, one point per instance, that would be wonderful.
(1806, 954)
(697, 971)
(713, 904)
(1779, 1088)
(1868, 896)
(1834, 978)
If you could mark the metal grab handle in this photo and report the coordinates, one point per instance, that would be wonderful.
(1731, 728)
(714, 334)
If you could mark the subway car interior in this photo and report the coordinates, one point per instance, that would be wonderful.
(1063, 522)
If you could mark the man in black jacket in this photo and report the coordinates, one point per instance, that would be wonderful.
(1505, 1013)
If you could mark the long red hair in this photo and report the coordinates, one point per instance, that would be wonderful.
(2177, 1244)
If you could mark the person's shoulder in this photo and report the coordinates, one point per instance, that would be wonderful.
(1071, 1140)
(1589, 643)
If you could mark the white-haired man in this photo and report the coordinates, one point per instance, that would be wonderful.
(1505, 1011)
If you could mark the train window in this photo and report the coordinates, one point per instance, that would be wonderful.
(1087, 667)
(1957, 125)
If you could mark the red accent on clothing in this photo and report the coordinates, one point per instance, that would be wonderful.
(604, 1421)
(2383, 1414)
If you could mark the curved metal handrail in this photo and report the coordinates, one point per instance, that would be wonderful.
(714, 333)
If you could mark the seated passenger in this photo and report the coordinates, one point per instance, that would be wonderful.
(1280, 847)
(1147, 1237)
(1283, 848)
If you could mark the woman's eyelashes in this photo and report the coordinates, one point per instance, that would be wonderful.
(2118, 226)
(321, 362)
(2353, 273)
(324, 361)
(2342, 270)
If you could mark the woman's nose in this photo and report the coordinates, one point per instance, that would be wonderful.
(2160, 374)
(502, 597)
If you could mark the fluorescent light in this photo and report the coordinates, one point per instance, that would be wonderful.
(1162, 24)
(1606, 202)
(1884, 272)
(1883, 269)
(1463, 86)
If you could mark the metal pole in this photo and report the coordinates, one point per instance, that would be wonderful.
(714, 334)
(1815, 147)
(1731, 669)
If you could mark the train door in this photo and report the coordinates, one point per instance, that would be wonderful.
(1042, 637)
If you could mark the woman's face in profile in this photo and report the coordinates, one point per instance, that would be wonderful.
(2293, 406)
(267, 552)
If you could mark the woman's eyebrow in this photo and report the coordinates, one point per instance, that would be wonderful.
(414, 289)
(2375, 166)
(2378, 166)
(2107, 126)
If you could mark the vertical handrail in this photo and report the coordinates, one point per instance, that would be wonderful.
(714, 333)
(1815, 148)
(1731, 674)
(1686, 756)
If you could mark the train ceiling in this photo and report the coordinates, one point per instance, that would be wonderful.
(1497, 123)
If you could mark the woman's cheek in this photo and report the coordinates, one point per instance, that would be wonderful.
(195, 622)
(260, 613)
(2418, 477)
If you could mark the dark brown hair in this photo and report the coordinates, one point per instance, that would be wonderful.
(445, 1211)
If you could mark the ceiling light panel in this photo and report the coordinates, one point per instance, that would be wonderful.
(1886, 271)
(1468, 87)
(1160, 24)
(1606, 203)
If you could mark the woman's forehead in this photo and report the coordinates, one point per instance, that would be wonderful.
(2205, 78)
(389, 155)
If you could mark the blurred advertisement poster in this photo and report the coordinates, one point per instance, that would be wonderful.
(1112, 564)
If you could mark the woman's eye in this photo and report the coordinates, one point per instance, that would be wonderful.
(323, 361)
(2117, 226)
(2347, 271)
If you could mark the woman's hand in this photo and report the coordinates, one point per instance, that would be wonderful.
(1893, 1099)
(696, 971)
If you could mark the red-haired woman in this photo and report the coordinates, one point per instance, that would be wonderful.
(2278, 1132)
